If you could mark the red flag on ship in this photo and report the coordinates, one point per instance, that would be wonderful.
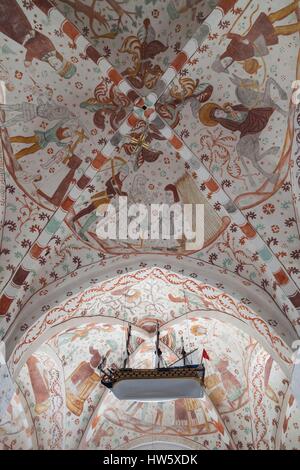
(205, 355)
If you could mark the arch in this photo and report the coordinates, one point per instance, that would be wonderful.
(213, 297)
(75, 283)
(217, 286)
(215, 314)
(226, 436)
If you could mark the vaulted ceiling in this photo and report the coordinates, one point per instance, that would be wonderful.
(247, 391)
(186, 98)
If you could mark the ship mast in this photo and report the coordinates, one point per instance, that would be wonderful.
(183, 352)
(183, 358)
(127, 347)
(158, 351)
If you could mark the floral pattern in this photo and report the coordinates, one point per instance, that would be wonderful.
(188, 101)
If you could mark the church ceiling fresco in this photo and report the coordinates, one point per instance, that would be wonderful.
(140, 40)
(161, 101)
(245, 391)
(16, 427)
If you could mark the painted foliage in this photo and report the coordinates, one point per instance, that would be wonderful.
(161, 101)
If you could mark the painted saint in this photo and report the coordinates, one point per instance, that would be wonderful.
(59, 134)
(45, 108)
(249, 122)
(15, 25)
(263, 33)
(39, 386)
(113, 189)
(82, 382)
(231, 384)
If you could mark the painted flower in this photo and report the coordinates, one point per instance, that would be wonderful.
(85, 31)
(107, 51)
(269, 209)
(37, 25)
(58, 33)
(184, 134)
(155, 13)
(28, 4)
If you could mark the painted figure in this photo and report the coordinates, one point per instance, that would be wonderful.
(39, 386)
(250, 95)
(73, 163)
(59, 135)
(100, 433)
(113, 188)
(185, 412)
(192, 405)
(270, 392)
(215, 390)
(14, 426)
(250, 122)
(263, 33)
(45, 109)
(159, 414)
(181, 415)
(185, 90)
(231, 384)
(82, 382)
(15, 25)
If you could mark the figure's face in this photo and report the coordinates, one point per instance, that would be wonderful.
(67, 133)
(54, 62)
(220, 114)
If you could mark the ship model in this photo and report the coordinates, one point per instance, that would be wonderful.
(158, 384)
